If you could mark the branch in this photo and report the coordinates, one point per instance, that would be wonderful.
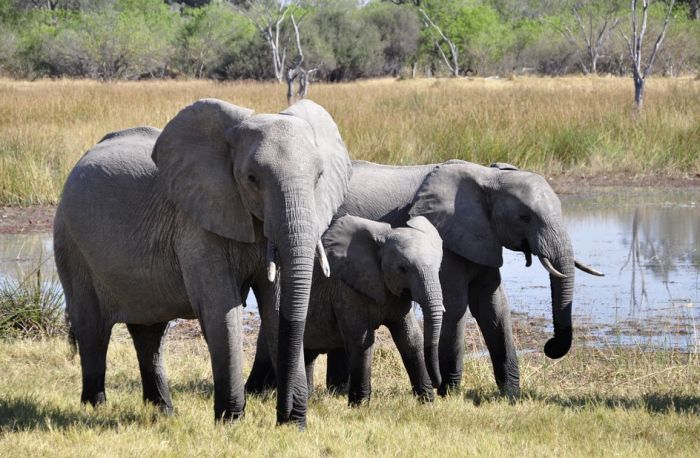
(659, 40)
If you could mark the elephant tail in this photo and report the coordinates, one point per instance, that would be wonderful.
(72, 341)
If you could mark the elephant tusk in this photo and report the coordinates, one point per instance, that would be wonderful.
(550, 268)
(323, 259)
(528, 259)
(271, 266)
(589, 270)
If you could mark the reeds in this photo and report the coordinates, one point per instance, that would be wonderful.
(573, 125)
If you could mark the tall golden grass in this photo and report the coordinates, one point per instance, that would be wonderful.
(552, 125)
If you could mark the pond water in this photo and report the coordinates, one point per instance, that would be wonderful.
(647, 241)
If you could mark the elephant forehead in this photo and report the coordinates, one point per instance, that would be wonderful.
(279, 129)
(415, 245)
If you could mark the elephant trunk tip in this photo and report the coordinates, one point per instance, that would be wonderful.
(559, 345)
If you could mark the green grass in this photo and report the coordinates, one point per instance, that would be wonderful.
(593, 402)
(572, 125)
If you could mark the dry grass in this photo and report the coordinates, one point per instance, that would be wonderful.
(552, 125)
(593, 402)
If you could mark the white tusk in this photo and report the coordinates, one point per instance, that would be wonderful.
(589, 270)
(323, 259)
(550, 268)
(271, 266)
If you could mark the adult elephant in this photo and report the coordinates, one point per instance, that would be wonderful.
(155, 225)
(477, 210)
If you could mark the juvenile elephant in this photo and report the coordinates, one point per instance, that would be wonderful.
(377, 271)
(477, 210)
(156, 225)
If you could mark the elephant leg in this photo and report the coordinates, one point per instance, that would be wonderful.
(409, 341)
(215, 298)
(453, 279)
(148, 341)
(93, 341)
(489, 305)
(309, 360)
(262, 374)
(358, 345)
(337, 373)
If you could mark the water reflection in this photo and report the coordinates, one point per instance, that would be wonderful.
(648, 244)
(646, 241)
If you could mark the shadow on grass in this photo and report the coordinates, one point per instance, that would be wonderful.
(26, 413)
(652, 402)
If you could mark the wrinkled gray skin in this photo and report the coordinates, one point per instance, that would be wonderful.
(477, 210)
(155, 225)
(376, 272)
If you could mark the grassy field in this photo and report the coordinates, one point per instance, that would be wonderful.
(593, 402)
(581, 126)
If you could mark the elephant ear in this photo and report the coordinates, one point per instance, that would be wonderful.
(333, 183)
(422, 224)
(452, 198)
(352, 245)
(503, 166)
(195, 168)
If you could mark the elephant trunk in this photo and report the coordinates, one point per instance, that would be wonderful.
(296, 246)
(433, 308)
(555, 247)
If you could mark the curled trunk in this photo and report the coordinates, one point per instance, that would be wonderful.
(557, 249)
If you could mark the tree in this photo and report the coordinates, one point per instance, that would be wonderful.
(438, 37)
(594, 21)
(268, 17)
(641, 70)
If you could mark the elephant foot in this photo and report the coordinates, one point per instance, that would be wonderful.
(512, 393)
(94, 400)
(424, 397)
(229, 416)
(447, 388)
(296, 420)
(357, 400)
(163, 407)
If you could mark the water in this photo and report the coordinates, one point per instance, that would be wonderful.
(647, 241)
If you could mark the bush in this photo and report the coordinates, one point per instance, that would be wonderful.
(31, 307)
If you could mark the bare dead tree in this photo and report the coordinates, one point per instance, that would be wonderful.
(452, 61)
(641, 70)
(593, 35)
(298, 72)
(269, 22)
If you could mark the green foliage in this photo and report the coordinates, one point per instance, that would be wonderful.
(31, 307)
(341, 39)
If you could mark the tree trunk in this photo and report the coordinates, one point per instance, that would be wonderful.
(694, 9)
(638, 93)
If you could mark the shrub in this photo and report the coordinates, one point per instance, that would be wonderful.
(31, 307)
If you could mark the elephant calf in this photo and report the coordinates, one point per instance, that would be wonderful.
(377, 271)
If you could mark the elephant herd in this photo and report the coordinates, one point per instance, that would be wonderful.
(182, 223)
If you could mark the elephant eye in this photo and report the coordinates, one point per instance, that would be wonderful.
(318, 178)
(403, 269)
(525, 218)
(252, 179)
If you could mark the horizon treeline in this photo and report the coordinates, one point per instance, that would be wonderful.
(341, 40)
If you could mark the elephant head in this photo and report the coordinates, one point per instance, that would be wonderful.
(479, 210)
(372, 258)
(225, 167)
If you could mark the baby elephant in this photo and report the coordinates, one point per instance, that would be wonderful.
(377, 271)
